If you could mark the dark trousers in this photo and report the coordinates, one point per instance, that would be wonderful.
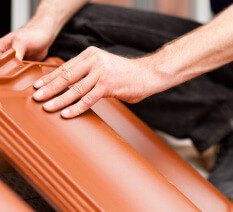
(201, 109)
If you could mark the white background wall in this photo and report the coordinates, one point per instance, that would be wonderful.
(201, 10)
(21, 11)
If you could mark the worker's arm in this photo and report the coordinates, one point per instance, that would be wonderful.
(34, 39)
(202, 50)
(131, 80)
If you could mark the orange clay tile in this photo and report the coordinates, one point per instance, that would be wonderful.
(82, 164)
(161, 156)
(10, 202)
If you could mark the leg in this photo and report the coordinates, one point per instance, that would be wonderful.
(108, 26)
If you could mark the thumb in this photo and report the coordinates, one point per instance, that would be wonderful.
(20, 49)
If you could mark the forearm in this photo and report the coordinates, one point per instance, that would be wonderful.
(52, 15)
(202, 50)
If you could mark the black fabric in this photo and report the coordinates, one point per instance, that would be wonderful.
(218, 5)
(25, 191)
(221, 175)
(201, 109)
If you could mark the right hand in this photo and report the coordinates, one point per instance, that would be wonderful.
(31, 42)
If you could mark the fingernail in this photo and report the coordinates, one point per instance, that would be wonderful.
(38, 95)
(65, 113)
(38, 84)
(18, 55)
(49, 105)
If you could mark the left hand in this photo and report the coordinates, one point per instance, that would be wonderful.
(94, 74)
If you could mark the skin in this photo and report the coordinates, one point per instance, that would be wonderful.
(96, 74)
(33, 40)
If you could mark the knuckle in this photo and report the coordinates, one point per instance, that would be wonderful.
(91, 49)
(66, 73)
(63, 67)
(105, 84)
(98, 56)
(78, 88)
(87, 101)
(102, 83)
(105, 67)
(107, 87)
(19, 37)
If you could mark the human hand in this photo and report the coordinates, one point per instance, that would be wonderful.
(92, 75)
(30, 42)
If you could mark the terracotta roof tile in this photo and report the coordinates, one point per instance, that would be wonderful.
(82, 164)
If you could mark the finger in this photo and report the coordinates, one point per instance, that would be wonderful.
(78, 90)
(68, 65)
(84, 104)
(68, 77)
(20, 48)
(36, 55)
(54, 74)
(49, 77)
(5, 42)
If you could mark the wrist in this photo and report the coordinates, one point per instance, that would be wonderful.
(52, 15)
(46, 20)
(161, 74)
(49, 17)
(174, 64)
(45, 25)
